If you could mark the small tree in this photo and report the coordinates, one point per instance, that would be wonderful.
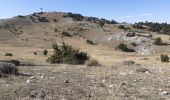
(68, 55)
(45, 52)
(164, 58)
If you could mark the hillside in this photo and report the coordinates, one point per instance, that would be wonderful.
(137, 74)
(38, 31)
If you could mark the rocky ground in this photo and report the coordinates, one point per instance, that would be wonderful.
(66, 82)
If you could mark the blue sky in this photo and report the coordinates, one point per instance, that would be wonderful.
(119, 10)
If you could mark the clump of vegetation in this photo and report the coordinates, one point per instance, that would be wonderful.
(66, 34)
(124, 48)
(138, 26)
(20, 16)
(54, 20)
(93, 62)
(42, 19)
(35, 53)
(164, 58)
(45, 52)
(161, 28)
(90, 42)
(8, 68)
(15, 62)
(66, 54)
(121, 27)
(100, 21)
(158, 41)
(76, 17)
(9, 54)
(55, 30)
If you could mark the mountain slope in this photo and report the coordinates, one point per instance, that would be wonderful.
(38, 31)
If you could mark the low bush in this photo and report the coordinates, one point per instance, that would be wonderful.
(164, 58)
(66, 54)
(54, 20)
(20, 16)
(76, 17)
(66, 34)
(43, 19)
(8, 54)
(45, 52)
(124, 48)
(35, 53)
(90, 42)
(8, 68)
(121, 27)
(15, 62)
(56, 30)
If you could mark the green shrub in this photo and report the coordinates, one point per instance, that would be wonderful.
(121, 27)
(43, 19)
(124, 48)
(56, 30)
(90, 42)
(35, 53)
(67, 55)
(76, 17)
(54, 20)
(8, 68)
(9, 54)
(66, 34)
(20, 16)
(164, 58)
(45, 52)
(15, 62)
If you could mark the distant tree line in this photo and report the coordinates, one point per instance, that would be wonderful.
(161, 28)
(79, 17)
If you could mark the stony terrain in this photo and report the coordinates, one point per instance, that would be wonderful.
(138, 75)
